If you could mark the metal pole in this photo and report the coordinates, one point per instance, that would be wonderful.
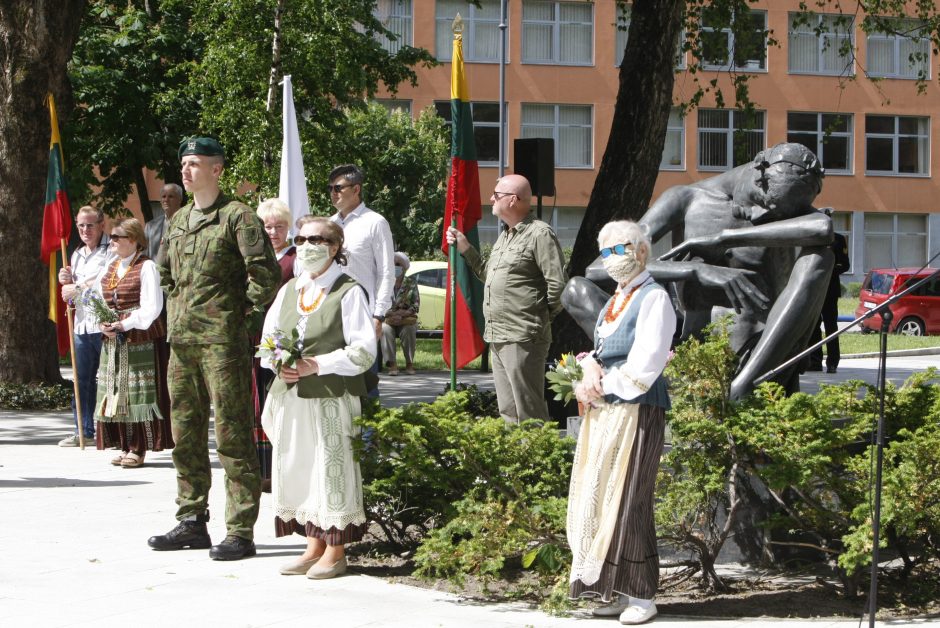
(502, 86)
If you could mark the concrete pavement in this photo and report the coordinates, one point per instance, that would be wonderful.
(74, 550)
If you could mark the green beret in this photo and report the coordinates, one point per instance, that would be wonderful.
(201, 146)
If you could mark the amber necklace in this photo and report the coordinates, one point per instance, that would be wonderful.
(306, 309)
(115, 278)
(612, 314)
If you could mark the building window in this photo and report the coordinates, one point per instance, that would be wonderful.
(895, 240)
(728, 138)
(897, 145)
(558, 32)
(485, 128)
(902, 52)
(571, 126)
(395, 15)
(820, 44)
(623, 27)
(742, 46)
(674, 148)
(393, 105)
(828, 135)
(480, 29)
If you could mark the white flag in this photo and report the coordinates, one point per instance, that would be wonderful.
(293, 187)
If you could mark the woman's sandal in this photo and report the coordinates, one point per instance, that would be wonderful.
(132, 461)
(117, 460)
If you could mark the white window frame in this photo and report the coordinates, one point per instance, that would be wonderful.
(871, 232)
(396, 104)
(393, 12)
(729, 132)
(895, 141)
(470, 23)
(556, 25)
(904, 68)
(478, 124)
(729, 35)
(624, 15)
(831, 36)
(556, 132)
(821, 136)
(673, 129)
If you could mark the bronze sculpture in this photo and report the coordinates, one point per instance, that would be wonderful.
(753, 245)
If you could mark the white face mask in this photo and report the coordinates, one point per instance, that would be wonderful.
(622, 268)
(312, 256)
(399, 271)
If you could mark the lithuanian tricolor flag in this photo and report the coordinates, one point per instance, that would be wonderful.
(56, 226)
(463, 211)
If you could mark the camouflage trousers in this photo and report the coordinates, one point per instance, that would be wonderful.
(220, 373)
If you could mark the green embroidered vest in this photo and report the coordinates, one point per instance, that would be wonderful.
(324, 333)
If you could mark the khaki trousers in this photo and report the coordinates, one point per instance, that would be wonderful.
(519, 375)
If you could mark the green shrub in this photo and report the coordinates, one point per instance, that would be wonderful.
(473, 494)
(851, 289)
(35, 396)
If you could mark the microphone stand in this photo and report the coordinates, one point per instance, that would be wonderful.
(886, 317)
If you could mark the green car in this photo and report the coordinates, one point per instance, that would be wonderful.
(432, 288)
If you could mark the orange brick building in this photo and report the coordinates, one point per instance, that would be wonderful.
(874, 138)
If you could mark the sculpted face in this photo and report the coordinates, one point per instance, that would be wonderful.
(774, 193)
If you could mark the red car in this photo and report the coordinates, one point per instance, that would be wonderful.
(915, 314)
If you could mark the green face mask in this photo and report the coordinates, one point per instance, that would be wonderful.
(312, 257)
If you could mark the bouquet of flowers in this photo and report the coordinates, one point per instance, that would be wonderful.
(563, 376)
(92, 303)
(280, 348)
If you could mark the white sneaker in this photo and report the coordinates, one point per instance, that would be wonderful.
(639, 612)
(69, 441)
(617, 606)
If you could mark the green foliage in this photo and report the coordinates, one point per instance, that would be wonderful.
(474, 492)
(35, 396)
(852, 289)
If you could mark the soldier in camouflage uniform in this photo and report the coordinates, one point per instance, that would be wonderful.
(219, 272)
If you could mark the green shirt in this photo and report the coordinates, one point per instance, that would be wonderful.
(523, 280)
(218, 270)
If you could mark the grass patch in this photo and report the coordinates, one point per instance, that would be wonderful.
(428, 357)
(871, 343)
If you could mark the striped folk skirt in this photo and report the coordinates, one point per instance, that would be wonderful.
(631, 563)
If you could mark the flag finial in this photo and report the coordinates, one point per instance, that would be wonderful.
(457, 26)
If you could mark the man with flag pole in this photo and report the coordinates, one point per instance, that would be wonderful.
(462, 212)
(524, 276)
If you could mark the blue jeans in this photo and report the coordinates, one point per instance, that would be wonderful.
(87, 355)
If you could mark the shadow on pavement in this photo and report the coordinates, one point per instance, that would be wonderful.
(64, 482)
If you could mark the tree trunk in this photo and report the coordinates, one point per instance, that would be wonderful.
(36, 40)
(142, 194)
(630, 164)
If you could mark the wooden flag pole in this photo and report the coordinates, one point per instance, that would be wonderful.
(69, 310)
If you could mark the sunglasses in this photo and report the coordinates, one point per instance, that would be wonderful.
(619, 249)
(499, 195)
(314, 239)
(117, 238)
(338, 187)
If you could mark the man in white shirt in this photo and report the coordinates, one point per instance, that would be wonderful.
(369, 249)
(87, 261)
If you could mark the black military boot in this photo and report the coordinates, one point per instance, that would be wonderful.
(189, 533)
(232, 548)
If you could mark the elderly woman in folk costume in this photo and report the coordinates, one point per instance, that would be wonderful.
(309, 411)
(276, 216)
(132, 406)
(611, 528)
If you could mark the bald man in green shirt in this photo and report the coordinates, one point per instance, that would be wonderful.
(523, 280)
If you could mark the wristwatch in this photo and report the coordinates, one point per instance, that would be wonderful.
(598, 359)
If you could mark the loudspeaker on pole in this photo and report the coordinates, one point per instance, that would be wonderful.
(534, 158)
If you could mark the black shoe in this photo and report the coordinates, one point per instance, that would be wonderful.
(815, 367)
(232, 548)
(830, 369)
(187, 534)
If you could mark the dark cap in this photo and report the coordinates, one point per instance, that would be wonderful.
(201, 146)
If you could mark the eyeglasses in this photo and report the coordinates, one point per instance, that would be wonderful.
(619, 249)
(87, 225)
(314, 239)
(116, 237)
(338, 187)
(499, 195)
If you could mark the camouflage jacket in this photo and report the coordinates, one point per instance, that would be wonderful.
(218, 270)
